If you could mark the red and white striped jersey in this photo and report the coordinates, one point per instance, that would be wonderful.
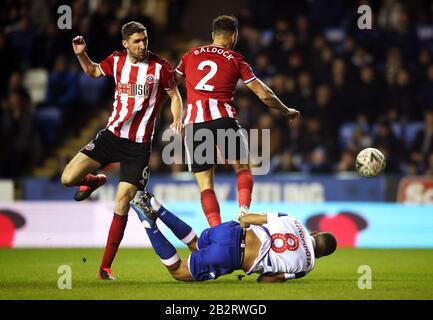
(211, 73)
(138, 93)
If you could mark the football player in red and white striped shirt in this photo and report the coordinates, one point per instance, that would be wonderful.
(211, 73)
(141, 78)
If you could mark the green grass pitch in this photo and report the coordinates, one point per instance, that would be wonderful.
(32, 274)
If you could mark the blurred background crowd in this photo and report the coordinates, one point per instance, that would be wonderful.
(355, 88)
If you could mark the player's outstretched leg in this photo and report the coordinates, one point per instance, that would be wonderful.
(76, 173)
(181, 229)
(163, 248)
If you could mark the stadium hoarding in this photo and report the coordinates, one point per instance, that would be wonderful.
(415, 190)
(270, 188)
(6, 190)
(355, 224)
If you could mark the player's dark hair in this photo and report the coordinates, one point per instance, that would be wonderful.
(225, 24)
(325, 244)
(130, 28)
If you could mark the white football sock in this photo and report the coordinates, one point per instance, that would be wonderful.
(155, 204)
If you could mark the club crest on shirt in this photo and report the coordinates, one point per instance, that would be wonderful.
(89, 146)
(149, 79)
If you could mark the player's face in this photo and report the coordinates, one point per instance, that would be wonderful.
(136, 45)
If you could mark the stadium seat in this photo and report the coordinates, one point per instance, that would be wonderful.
(396, 128)
(47, 121)
(91, 90)
(346, 132)
(35, 81)
(412, 129)
(335, 34)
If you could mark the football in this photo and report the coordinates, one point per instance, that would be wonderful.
(370, 162)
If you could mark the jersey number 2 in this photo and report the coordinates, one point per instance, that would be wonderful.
(201, 85)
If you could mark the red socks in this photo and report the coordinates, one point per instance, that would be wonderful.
(210, 203)
(211, 207)
(115, 236)
(245, 187)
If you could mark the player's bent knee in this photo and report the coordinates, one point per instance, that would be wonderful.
(67, 179)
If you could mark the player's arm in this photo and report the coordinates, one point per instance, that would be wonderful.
(178, 77)
(179, 72)
(258, 218)
(253, 218)
(89, 67)
(269, 98)
(279, 277)
(176, 109)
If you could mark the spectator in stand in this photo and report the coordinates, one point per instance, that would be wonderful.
(62, 89)
(19, 146)
(8, 61)
(319, 163)
(369, 94)
(386, 138)
(267, 121)
(346, 162)
(305, 91)
(314, 137)
(325, 110)
(426, 91)
(423, 143)
(292, 140)
(411, 168)
(264, 70)
(22, 39)
(285, 163)
(429, 169)
(295, 63)
(401, 97)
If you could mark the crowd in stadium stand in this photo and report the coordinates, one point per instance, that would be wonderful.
(355, 88)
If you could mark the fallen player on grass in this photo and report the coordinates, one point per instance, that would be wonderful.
(275, 245)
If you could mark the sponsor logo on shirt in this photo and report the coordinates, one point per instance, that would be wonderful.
(133, 89)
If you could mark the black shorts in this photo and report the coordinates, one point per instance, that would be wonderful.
(201, 145)
(107, 148)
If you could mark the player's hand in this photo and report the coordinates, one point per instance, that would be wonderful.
(291, 113)
(79, 45)
(242, 222)
(176, 126)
